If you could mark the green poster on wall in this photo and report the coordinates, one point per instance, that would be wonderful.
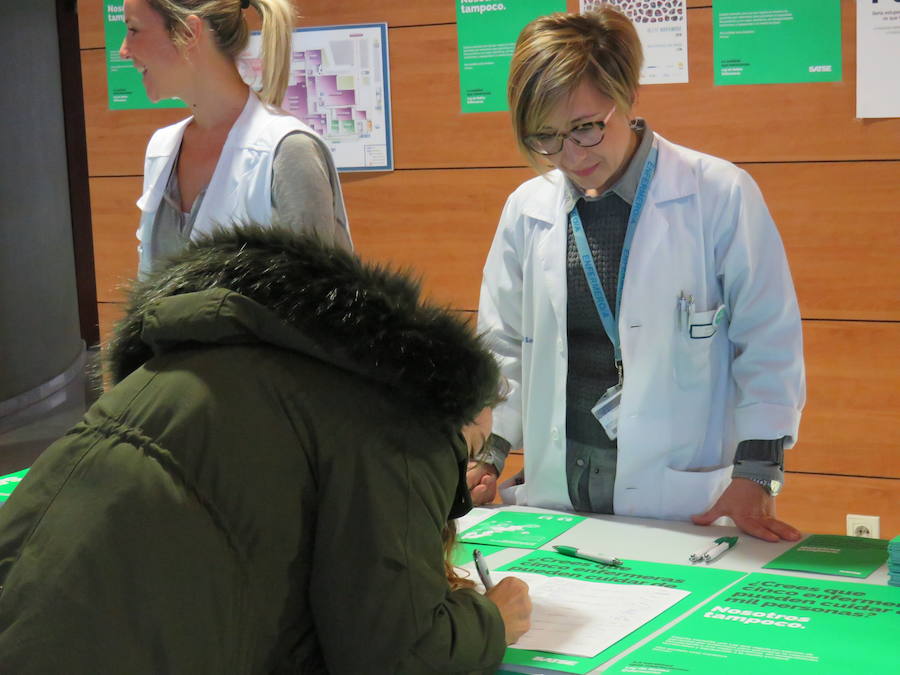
(486, 36)
(776, 41)
(124, 83)
(779, 625)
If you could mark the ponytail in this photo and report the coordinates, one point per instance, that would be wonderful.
(277, 35)
(226, 19)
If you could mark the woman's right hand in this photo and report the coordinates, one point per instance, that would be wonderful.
(511, 598)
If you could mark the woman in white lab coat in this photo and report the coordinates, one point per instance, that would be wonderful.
(239, 158)
(694, 363)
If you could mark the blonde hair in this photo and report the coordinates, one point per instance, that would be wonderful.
(226, 19)
(448, 542)
(555, 53)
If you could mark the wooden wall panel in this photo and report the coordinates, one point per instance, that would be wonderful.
(116, 138)
(115, 221)
(815, 503)
(850, 422)
(790, 122)
(839, 222)
(439, 223)
(852, 417)
(326, 12)
(110, 313)
(830, 181)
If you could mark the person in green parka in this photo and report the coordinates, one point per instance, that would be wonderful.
(265, 487)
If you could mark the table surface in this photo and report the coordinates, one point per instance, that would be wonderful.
(662, 541)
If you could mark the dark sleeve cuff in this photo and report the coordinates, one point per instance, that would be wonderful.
(760, 450)
(494, 452)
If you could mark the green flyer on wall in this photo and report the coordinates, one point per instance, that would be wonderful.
(779, 625)
(700, 582)
(124, 83)
(486, 36)
(776, 41)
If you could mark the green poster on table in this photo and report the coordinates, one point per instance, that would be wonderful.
(463, 554)
(519, 529)
(833, 554)
(124, 83)
(775, 41)
(699, 582)
(779, 625)
(486, 35)
(10, 482)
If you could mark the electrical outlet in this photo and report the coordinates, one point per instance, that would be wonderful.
(862, 526)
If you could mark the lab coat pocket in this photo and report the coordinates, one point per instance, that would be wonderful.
(693, 349)
(691, 492)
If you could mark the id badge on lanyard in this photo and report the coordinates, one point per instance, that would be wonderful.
(606, 410)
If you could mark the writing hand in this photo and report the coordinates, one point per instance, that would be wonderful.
(512, 599)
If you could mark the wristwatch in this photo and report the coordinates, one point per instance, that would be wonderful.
(772, 486)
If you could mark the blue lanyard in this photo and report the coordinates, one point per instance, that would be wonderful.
(610, 322)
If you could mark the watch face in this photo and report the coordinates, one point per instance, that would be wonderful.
(775, 487)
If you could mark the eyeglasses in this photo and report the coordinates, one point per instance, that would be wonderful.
(586, 134)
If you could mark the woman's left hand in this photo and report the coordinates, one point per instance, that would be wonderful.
(752, 509)
(482, 481)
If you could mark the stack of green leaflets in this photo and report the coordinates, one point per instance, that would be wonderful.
(833, 554)
(894, 561)
(9, 483)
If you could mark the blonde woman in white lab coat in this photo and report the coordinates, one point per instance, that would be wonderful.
(239, 158)
(706, 386)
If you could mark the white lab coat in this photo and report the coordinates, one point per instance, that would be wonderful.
(240, 190)
(686, 403)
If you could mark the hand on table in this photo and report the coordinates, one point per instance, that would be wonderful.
(752, 509)
(512, 599)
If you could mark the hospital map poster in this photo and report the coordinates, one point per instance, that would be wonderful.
(779, 625)
(662, 28)
(340, 86)
(776, 41)
(124, 84)
(486, 33)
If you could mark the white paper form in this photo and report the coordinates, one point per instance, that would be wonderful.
(877, 56)
(582, 618)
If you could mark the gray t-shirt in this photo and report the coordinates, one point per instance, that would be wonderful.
(302, 199)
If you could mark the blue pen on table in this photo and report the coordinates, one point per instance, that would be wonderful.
(573, 552)
(483, 572)
(714, 550)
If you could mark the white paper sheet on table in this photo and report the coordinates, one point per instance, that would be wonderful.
(582, 618)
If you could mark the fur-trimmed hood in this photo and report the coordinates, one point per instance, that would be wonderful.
(269, 285)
